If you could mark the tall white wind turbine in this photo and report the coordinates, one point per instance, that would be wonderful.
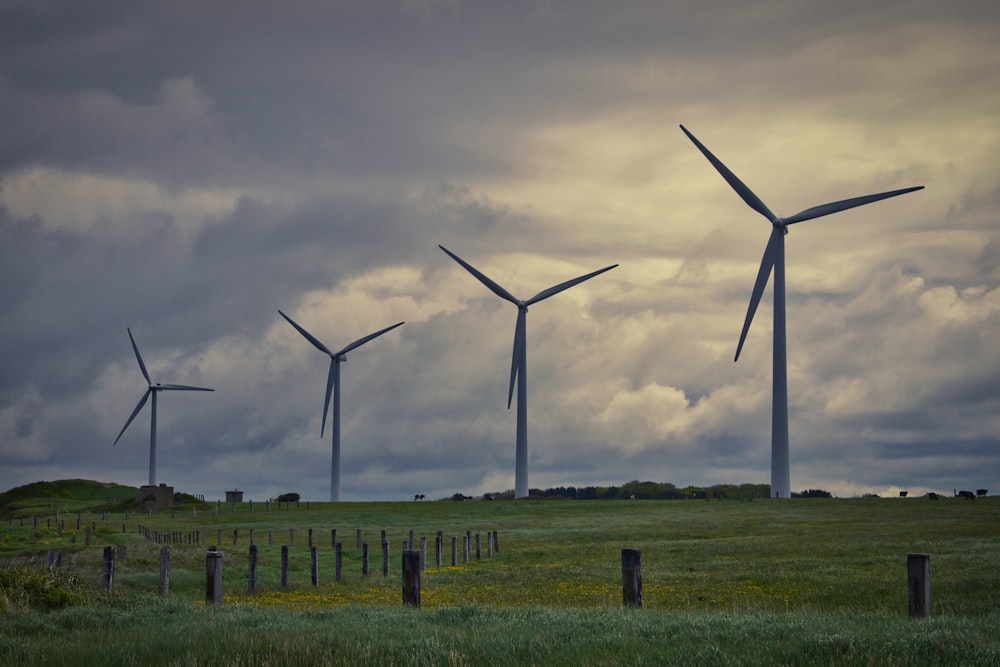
(153, 388)
(774, 257)
(519, 361)
(333, 384)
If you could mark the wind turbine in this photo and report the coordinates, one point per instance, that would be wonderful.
(519, 361)
(333, 383)
(774, 257)
(152, 389)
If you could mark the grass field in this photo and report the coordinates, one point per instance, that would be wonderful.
(807, 581)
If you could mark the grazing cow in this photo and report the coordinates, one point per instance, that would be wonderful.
(981, 492)
(968, 495)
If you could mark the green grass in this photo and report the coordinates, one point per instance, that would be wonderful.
(724, 582)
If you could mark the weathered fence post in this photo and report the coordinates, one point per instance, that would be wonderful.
(314, 565)
(496, 542)
(411, 578)
(109, 568)
(478, 552)
(340, 561)
(918, 573)
(213, 577)
(385, 558)
(454, 551)
(489, 545)
(164, 570)
(423, 553)
(252, 572)
(284, 566)
(364, 559)
(632, 577)
(466, 548)
(438, 545)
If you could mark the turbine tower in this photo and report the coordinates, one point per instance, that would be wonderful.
(152, 390)
(333, 384)
(519, 361)
(774, 257)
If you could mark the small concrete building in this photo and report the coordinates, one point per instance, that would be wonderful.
(234, 496)
(152, 497)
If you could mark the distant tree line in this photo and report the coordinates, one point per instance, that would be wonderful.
(636, 490)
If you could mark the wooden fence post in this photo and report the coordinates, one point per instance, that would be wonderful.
(466, 548)
(477, 547)
(252, 572)
(213, 577)
(164, 570)
(632, 577)
(454, 551)
(284, 566)
(109, 568)
(340, 561)
(423, 553)
(496, 542)
(314, 565)
(385, 558)
(438, 545)
(411, 578)
(918, 573)
(364, 559)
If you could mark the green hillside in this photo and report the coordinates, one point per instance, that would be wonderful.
(68, 494)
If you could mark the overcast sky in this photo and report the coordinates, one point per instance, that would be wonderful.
(186, 169)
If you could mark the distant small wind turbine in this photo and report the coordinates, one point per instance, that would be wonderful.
(774, 256)
(152, 390)
(519, 361)
(333, 383)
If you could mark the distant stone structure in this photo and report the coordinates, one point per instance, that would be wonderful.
(234, 496)
(153, 497)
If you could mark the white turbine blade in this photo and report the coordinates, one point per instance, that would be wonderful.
(519, 341)
(308, 336)
(138, 357)
(752, 200)
(494, 287)
(142, 402)
(329, 389)
(552, 291)
(843, 205)
(766, 263)
(361, 341)
(182, 387)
